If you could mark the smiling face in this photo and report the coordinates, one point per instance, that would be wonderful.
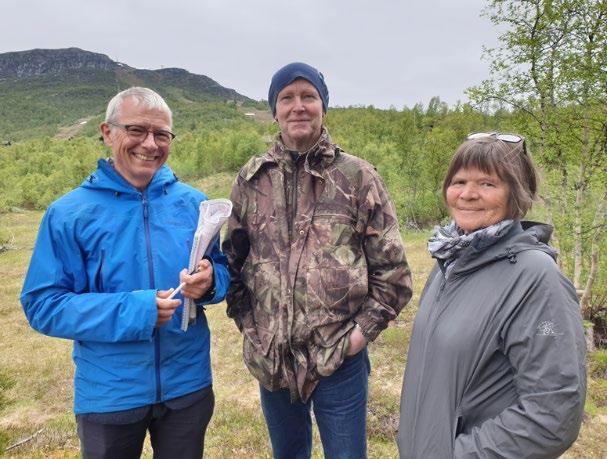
(299, 114)
(477, 199)
(137, 160)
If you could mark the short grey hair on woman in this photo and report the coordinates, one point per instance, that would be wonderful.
(144, 96)
(510, 161)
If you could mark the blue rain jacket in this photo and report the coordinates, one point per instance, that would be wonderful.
(103, 250)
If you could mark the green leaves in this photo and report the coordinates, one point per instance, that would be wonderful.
(551, 69)
(34, 173)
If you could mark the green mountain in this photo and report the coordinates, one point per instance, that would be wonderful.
(64, 92)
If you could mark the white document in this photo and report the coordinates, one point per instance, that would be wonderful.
(213, 214)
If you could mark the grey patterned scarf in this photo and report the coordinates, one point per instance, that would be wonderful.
(447, 242)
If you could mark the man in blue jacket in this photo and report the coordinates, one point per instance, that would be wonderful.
(107, 255)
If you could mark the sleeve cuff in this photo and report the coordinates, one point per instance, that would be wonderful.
(148, 300)
(369, 329)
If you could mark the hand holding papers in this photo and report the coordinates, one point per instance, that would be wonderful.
(213, 214)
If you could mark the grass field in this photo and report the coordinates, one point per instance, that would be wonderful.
(40, 369)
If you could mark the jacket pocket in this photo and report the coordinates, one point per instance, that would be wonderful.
(262, 278)
(336, 279)
(334, 293)
(98, 279)
(259, 338)
(329, 335)
(458, 427)
(259, 357)
(334, 231)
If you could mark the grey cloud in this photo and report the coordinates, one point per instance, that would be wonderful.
(378, 53)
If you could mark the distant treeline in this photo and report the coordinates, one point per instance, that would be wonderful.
(411, 148)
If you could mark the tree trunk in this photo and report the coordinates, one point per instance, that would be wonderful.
(554, 240)
(598, 224)
(577, 227)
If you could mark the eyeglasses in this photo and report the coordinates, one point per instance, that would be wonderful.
(510, 138)
(140, 133)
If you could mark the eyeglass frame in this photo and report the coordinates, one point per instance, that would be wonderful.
(154, 132)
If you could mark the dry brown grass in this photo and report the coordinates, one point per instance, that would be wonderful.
(41, 368)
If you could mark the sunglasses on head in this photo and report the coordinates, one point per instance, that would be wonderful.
(510, 138)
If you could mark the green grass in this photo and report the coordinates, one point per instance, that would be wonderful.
(40, 370)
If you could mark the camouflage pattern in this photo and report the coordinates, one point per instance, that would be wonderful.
(314, 247)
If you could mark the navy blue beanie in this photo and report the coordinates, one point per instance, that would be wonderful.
(291, 72)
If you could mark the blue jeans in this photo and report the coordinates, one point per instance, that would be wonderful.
(340, 408)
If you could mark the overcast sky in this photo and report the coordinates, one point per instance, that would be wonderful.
(374, 52)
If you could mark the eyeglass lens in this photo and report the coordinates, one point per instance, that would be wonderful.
(140, 133)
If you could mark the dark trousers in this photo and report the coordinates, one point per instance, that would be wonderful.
(174, 433)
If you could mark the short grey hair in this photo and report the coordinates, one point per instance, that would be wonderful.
(144, 96)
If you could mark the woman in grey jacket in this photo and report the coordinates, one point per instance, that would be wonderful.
(496, 364)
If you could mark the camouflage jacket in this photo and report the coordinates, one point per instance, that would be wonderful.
(314, 248)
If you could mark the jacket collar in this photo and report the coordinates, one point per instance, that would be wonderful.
(320, 156)
(106, 177)
(522, 236)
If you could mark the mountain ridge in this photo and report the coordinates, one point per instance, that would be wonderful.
(37, 62)
(41, 62)
(43, 90)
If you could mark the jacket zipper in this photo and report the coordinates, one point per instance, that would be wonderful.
(101, 289)
(432, 316)
(148, 246)
(293, 200)
(440, 290)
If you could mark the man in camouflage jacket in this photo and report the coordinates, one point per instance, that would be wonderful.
(317, 265)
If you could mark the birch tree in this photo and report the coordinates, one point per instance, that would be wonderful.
(551, 67)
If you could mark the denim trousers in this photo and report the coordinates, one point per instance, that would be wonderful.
(339, 403)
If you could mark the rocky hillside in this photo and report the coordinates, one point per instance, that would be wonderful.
(42, 62)
(44, 90)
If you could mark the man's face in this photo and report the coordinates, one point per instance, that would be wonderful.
(299, 114)
(137, 159)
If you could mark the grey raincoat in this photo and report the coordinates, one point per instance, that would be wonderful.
(496, 364)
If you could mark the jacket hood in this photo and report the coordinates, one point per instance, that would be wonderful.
(524, 235)
(107, 178)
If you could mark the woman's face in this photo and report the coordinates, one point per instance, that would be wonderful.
(477, 199)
